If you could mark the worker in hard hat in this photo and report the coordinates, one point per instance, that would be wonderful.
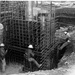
(30, 56)
(2, 56)
(66, 40)
(2, 51)
(66, 47)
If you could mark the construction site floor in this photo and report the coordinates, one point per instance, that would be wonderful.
(65, 67)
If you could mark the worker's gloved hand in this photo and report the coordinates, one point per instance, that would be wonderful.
(26, 55)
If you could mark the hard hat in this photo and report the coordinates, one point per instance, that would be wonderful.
(30, 46)
(68, 41)
(1, 44)
(65, 32)
(1, 26)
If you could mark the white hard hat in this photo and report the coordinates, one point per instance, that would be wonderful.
(1, 26)
(65, 32)
(68, 41)
(30, 46)
(1, 44)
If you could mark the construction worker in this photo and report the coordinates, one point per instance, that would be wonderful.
(67, 47)
(30, 56)
(2, 56)
(2, 60)
(71, 36)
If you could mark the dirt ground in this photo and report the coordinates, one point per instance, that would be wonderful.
(65, 67)
(11, 69)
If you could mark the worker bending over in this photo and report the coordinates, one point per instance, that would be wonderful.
(29, 56)
(68, 45)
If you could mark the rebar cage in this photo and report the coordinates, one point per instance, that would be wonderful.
(23, 27)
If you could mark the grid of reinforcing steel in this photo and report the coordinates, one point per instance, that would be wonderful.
(20, 32)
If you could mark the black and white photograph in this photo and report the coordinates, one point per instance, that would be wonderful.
(37, 37)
